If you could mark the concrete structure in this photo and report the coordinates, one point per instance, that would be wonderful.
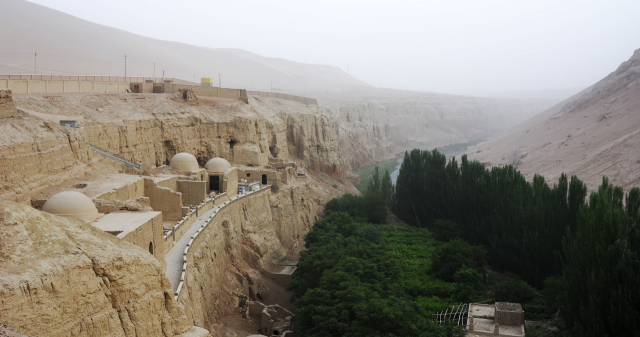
(217, 165)
(70, 204)
(239, 94)
(509, 313)
(300, 99)
(193, 192)
(184, 162)
(244, 187)
(44, 84)
(218, 170)
(143, 229)
(206, 82)
(69, 123)
(145, 87)
(7, 108)
(482, 321)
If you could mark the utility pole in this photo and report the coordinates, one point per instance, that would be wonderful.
(35, 64)
(125, 67)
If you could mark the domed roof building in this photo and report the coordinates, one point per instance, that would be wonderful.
(71, 204)
(217, 165)
(184, 162)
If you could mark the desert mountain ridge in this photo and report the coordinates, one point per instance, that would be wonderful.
(592, 134)
(69, 45)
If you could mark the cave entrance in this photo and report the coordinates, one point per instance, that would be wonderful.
(151, 248)
(214, 183)
(264, 179)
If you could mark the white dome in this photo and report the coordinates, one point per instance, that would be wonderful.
(71, 204)
(217, 165)
(184, 162)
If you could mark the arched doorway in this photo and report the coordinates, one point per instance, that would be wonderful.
(264, 179)
(151, 248)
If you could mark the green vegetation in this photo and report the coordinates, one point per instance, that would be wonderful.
(521, 224)
(365, 173)
(357, 278)
(548, 248)
(581, 258)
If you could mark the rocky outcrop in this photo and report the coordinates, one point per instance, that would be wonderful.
(35, 154)
(61, 277)
(7, 108)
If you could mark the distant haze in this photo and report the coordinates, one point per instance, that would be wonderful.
(461, 47)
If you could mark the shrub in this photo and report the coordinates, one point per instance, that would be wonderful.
(455, 254)
(445, 230)
(514, 290)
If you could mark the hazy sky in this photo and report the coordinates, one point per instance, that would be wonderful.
(464, 47)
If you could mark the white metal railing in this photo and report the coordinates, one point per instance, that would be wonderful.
(209, 221)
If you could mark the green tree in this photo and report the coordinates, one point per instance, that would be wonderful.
(601, 268)
(445, 230)
(387, 191)
(456, 254)
(374, 183)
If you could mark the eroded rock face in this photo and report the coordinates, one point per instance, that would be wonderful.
(227, 261)
(61, 277)
(7, 108)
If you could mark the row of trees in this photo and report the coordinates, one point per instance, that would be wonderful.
(521, 224)
(586, 255)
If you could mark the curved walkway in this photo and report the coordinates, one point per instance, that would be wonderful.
(175, 257)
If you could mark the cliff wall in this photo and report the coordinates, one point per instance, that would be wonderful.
(38, 154)
(379, 124)
(228, 259)
(61, 277)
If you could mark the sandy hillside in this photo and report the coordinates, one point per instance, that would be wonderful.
(594, 133)
(70, 45)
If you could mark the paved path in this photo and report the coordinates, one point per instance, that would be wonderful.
(174, 255)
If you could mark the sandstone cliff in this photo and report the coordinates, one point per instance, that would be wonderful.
(61, 277)
(38, 154)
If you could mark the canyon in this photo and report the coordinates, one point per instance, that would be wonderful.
(232, 260)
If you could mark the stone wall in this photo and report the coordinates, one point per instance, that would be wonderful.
(193, 192)
(131, 191)
(239, 94)
(164, 200)
(149, 232)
